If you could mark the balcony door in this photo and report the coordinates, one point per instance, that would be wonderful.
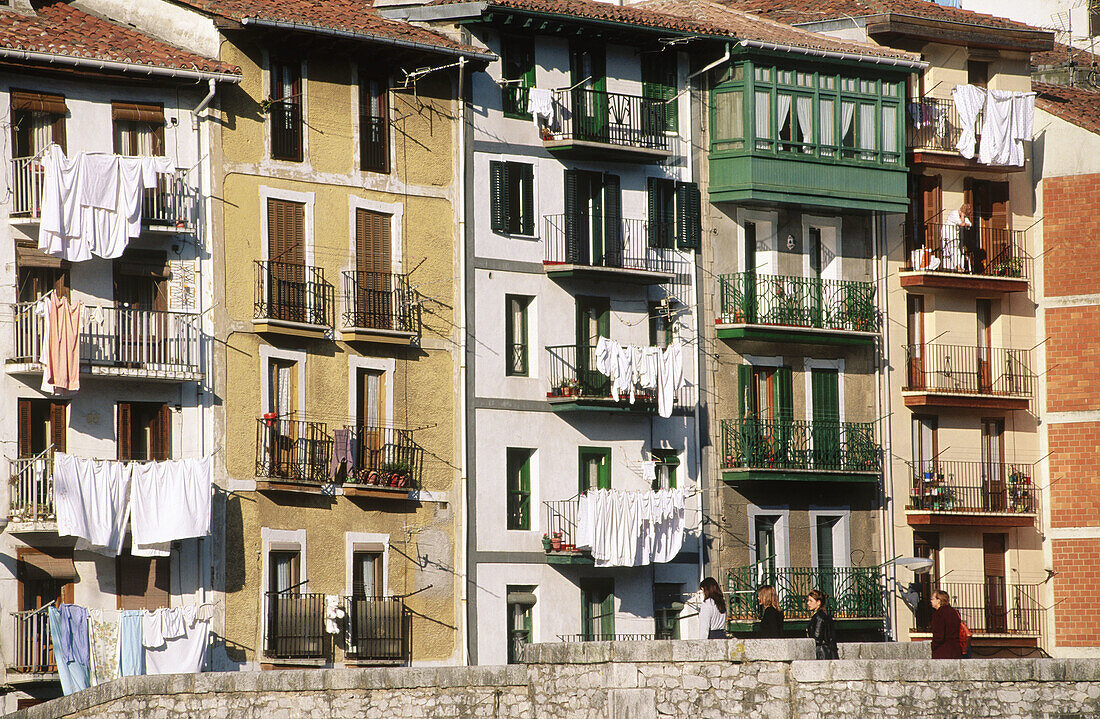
(597, 609)
(994, 490)
(826, 559)
(36, 121)
(294, 623)
(140, 332)
(914, 305)
(926, 545)
(989, 201)
(593, 322)
(764, 547)
(815, 252)
(373, 295)
(825, 396)
(588, 80)
(282, 429)
(593, 219)
(766, 410)
(996, 600)
(44, 576)
(927, 214)
(926, 492)
(286, 294)
(144, 431)
(370, 413)
(985, 340)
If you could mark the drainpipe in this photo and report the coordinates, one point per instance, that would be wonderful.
(711, 66)
(212, 85)
(882, 390)
(464, 563)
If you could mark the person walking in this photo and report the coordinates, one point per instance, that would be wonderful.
(945, 627)
(712, 615)
(820, 627)
(771, 621)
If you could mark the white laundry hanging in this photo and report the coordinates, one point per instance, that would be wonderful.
(969, 101)
(185, 652)
(997, 139)
(93, 502)
(631, 529)
(170, 500)
(671, 378)
(540, 104)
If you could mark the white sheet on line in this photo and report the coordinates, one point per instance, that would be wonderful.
(93, 502)
(170, 500)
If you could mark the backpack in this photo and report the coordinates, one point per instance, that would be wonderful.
(964, 636)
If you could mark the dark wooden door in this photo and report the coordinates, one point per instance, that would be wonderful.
(996, 603)
(287, 295)
(915, 333)
(985, 336)
(374, 300)
(994, 490)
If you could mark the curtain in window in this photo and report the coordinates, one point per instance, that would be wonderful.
(867, 131)
(889, 129)
(728, 113)
(825, 120)
(783, 112)
(763, 120)
(41, 130)
(804, 106)
(284, 563)
(847, 111)
(372, 389)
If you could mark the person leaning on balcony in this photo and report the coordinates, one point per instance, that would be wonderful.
(955, 255)
(820, 627)
(945, 628)
(712, 614)
(771, 621)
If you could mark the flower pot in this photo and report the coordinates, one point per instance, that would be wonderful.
(555, 544)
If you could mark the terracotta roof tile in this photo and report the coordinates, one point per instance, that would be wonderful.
(352, 16)
(1080, 107)
(1062, 55)
(747, 26)
(594, 10)
(60, 29)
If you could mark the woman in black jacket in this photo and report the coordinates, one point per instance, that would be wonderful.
(820, 627)
(771, 621)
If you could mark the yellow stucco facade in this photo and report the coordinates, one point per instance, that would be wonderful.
(418, 376)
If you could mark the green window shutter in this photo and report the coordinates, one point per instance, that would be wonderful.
(784, 397)
(527, 210)
(689, 230)
(572, 220)
(653, 211)
(612, 218)
(519, 488)
(497, 181)
(659, 79)
(744, 388)
(825, 387)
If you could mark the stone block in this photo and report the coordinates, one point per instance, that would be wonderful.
(622, 676)
(777, 650)
(632, 704)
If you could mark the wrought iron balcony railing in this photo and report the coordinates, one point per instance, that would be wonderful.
(933, 124)
(379, 301)
(296, 626)
(853, 592)
(573, 374)
(624, 244)
(600, 637)
(376, 628)
(32, 646)
(752, 298)
(291, 450)
(610, 118)
(385, 457)
(992, 606)
(514, 98)
(972, 487)
(121, 340)
(31, 485)
(800, 445)
(980, 251)
(561, 523)
(960, 369)
(289, 292)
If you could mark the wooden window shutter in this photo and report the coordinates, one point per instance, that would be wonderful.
(784, 394)
(142, 582)
(373, 248)
(38, 102)
(745, 410)
(286, 231)
(689, 229)
(999, 217)
(58, 426)
(147, 113)
(653, 211)
(125, 431)
(25, 428)
(572, 220)
(527, 209)
(612, 217)
(498, 180)
(161, 434)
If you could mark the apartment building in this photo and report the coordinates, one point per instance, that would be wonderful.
(964, 445)
(338, 318)
(143, 350)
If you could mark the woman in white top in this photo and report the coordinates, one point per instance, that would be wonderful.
(712, 615)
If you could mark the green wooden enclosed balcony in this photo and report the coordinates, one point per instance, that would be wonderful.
(855, 595)
(796, 309)
(799, 450)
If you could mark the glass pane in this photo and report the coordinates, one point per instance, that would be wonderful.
(763, 121)
(729, 115)
(826, 125)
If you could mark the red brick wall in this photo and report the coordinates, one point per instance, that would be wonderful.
(1071, 235)
(1073, 358)
(1074, 484)
(1078, 564)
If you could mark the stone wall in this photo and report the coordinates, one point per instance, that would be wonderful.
(774, 679)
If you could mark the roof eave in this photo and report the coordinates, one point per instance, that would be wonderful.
(897, 62)
(36, 57)
(959, 33)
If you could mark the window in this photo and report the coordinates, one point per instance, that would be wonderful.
(925, 449)
(511, 197)
(284, 568)
(674, 214)
(375, 300)
(521, 626)
(765, 394)
(519, 488)
(597, 609)
(517, 61)
(763, 121)
(659, 81)
(515, 332)
(286, 294)
(366, 574)
(143, 431)
(41, 425)
(926, 545)
(285, 103)
(595, 468)
(729, 120)
(138, 128)
(142, 582)
(977, 73)
(665, 470)
(660, 325)
(667, 605)
(764, 546)
(37, 119)
(1094, 19)
(43, 577)
(374, 125)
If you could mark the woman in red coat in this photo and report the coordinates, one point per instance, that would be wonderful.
(945, 628)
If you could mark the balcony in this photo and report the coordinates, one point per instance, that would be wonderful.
(799, 450)
(576, 384)
(292, 455)
(31, 657)
(31, 501)
(952, 257)
(378, 307)
(292, 299)
(169, 207)
(121, 342)
(630, 251)
(561, 532)
(377, 630)
(972, 377)
(993, 610)
(971, 494)
(388, 463)
(296, 627)
(933, 129)
(797, 309)
(856, 599)
(597, 125)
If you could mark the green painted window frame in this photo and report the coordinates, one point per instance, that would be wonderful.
(605, 608)
(674, 214)
(519, 488)
(516, 345)
(603, 478)
(670, 459)
(512, 198)
(516, 51)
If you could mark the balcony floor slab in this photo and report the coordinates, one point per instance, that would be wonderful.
(290, 329)
(41, 526)
(370, 334)
(932, 398)
(268, 484)
(952, 160)
(959, 281)
(589, 150)
(375, 492)
(929, 518)
(575, 558)
(788, 334)
(565, 270)
(135, 373)
(598, 404)
(16, 677)
(753, 474)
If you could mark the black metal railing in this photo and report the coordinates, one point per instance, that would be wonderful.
(32, 646)
(373, 143)
(610, 118)
(290, 292)
(573, 373)
(982, 251)
(853, 592)
(561, 523)
(972, 487)
(514, 98)
(296, 626)
(286, 130)
(933, 124)
(960, 369)
(385, 457)
(992, 606)
(377, 628)
(596, 241)
(379, 301)
(751, 298)
(293, 450)
(600, 637)
(800, 445)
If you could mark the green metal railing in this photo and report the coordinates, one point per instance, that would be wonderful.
(852, 592)
(756, 299)
(800, 445)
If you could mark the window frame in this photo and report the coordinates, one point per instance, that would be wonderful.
(670, 459)
(518, 488)
(513, 47)
(603, 477)
(511, 367)
(297, 83)
(368, 83)
(512, 198)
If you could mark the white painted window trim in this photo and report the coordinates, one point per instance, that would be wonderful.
(812, 364)
(277, 539)
(268, 353)
(522, 160)
(366, 542)
(767, 260)
(305, 198)
(842, 534)
(830, 240)
(303, 104)
(532, 334)
(763, 360)
(396, 211)
(782, 533)
(388, 366)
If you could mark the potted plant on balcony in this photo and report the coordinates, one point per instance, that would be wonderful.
(572, 387)
(547, 545)
(396, 474)
(1010, 267)
(555, 541)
